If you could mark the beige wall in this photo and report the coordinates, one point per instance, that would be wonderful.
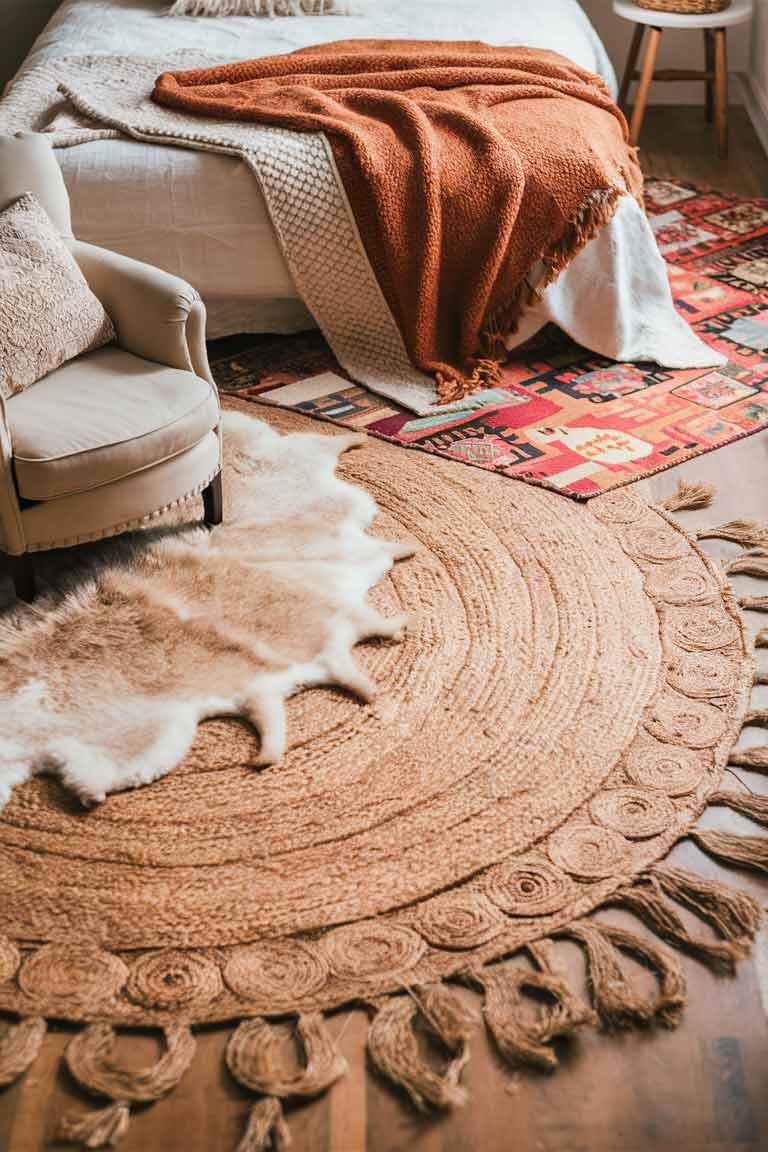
(20, 22)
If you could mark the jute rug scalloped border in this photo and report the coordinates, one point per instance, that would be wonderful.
(557, 717)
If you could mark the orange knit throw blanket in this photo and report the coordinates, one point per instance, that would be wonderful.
(465, 165)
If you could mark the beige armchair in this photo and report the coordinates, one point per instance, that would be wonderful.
(110, 440)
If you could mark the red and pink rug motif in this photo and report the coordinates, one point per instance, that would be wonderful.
(564, 416)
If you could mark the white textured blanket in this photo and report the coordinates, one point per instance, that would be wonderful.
(630, 315)
(79, 99)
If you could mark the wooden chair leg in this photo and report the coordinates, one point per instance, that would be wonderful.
(213, 502)
(646, 75)
(721, 91)
(23, 576)
(709, 66)
(629, 71)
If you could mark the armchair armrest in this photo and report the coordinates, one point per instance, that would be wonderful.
(156, 315)
(11, 530)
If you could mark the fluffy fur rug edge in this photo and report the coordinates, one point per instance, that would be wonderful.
(106, 687)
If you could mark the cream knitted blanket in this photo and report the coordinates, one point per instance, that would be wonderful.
(85, 98)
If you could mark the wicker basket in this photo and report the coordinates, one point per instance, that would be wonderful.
(686, 7)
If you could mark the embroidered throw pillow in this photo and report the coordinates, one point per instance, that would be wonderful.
(48, 314)
(260, 8)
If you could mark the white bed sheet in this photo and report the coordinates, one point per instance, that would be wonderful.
(201, 215)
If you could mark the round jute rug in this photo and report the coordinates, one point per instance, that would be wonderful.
(558, 715)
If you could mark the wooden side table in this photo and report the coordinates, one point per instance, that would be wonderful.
(714, 75)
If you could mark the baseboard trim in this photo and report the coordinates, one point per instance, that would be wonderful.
(756, 104)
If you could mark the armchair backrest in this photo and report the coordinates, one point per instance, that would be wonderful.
(27, 164)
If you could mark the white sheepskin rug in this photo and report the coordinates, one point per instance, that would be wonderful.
(106, 687)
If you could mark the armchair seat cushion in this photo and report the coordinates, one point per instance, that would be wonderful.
(102, 417)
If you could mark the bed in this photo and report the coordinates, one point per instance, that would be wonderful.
(202, 215)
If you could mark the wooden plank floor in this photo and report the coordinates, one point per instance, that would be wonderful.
(701, 1088)
(676, 142)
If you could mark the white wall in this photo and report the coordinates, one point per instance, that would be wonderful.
(682, 49)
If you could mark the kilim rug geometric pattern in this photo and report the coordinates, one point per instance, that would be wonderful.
(564, 416)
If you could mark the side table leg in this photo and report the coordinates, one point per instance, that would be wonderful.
(721, 92)
(646, 75)
(634, 49)
(709, 66)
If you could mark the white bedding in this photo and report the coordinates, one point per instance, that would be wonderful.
(201, 215)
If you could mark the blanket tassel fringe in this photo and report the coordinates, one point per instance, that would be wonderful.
(485, 369)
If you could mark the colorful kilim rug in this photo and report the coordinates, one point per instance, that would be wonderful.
(564, 416)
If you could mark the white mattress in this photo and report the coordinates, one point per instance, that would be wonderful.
(201, 215)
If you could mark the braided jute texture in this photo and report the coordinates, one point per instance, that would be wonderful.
(558, 715)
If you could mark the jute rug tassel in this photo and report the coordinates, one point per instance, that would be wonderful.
(754, 603)
(747, 803)
(447, 1014)
(743, 851)
(752, 564)
(88, 1057)
(761, 640)
(647, 901)
(19, 1048)
(757, 717)
(615, 1001)
(256, 1058)
(732, 913)
(102, 1129)
(754, 758)
(522, 1040)
(688, 496)
(745, 531)
(266, 1130)
(394, 1052)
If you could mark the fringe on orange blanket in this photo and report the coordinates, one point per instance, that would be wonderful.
(485, 370)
